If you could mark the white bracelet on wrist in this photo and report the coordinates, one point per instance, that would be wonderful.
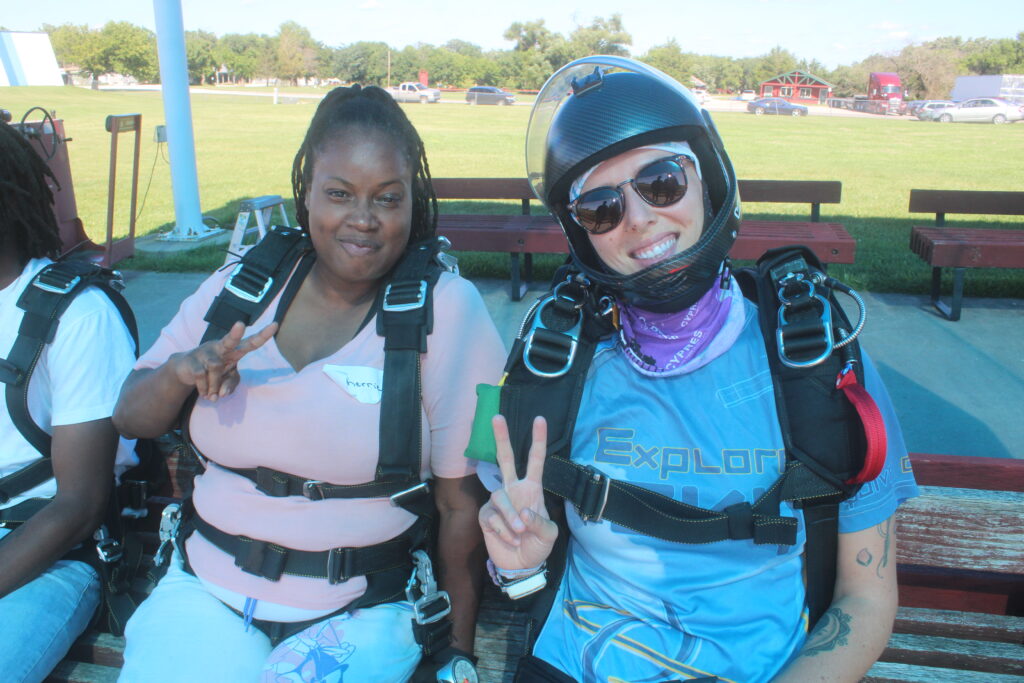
(518, 583)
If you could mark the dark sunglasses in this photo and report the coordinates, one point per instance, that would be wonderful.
(659, 183)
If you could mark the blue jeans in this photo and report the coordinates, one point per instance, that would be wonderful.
(182, 633)
(40, 620)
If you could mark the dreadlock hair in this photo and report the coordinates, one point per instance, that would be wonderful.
(374, 109)
(28, 225)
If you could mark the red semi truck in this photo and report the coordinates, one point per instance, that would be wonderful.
(885, 95)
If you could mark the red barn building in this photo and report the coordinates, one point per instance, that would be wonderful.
(797, 86)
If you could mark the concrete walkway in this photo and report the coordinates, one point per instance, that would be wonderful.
(957, 387)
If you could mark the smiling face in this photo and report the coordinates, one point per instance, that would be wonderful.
(360, 206)
(646, 234)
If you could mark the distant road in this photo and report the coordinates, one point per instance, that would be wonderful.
(713, 104)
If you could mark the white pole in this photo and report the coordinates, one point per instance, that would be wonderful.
(170, 42)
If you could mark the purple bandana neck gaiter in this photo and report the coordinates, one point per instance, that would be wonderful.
(663, 344)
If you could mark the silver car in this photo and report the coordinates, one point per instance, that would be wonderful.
(981, 110)
(929, 110)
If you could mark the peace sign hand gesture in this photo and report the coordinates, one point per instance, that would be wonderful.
(517, 529)
(212, 368)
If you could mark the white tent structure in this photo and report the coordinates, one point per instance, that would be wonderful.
(26, 58)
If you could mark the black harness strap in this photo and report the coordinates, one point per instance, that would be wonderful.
(279, 484)
(255, 281)
(598, 497)
(405, 320)
(337, 565)
(44, 301)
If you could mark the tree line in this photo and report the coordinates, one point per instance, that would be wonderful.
(292, 55)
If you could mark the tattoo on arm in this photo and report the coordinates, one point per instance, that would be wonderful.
(831, 632)
(885, 531)
(865, 557)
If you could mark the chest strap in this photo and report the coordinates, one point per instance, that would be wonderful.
(598, 497)
(44, 301)
(270, 561)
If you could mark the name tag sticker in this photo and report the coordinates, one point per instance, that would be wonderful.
(362, 383)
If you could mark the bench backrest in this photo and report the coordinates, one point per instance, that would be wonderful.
(813, 192)
(941, 202)
(485, 188)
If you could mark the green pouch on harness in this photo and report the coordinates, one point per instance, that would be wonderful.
(481, 439)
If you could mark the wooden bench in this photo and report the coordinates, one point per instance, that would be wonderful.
(961, 574)
(528, 234)
(962, 248)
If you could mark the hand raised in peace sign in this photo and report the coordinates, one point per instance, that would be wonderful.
(212, 368)
(517, 529)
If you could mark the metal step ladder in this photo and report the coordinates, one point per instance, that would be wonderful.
(263, 209)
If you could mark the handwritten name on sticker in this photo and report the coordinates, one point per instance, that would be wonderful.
(362, 383)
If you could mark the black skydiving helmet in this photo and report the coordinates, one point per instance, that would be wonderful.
(597, 107)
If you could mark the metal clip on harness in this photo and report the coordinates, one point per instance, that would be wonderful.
(555, 348)
(433, 605)
(809, 340)
(170, 520)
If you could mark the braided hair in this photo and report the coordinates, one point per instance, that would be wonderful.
(28, 225)
(370, 108)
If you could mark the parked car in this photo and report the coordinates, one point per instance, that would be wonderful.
(926, 111)
(980, 110)
(488, 94)
(747, 95)
(415, 92)
(776, 105)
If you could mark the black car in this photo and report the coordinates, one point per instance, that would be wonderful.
(488, 94)
(776, 105)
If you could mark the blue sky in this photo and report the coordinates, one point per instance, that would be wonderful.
(832, 32)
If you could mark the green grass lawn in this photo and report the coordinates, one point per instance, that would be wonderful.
(245, 147)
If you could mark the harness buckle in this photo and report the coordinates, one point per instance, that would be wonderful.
(404, 296)
(246, 295)
(340, 565)
(555, 348)
(809, 341)
(170, 521)
(108, 549)
(401, 499)
(313, 489)
(433, 605)
(594, 494)
(55, 285)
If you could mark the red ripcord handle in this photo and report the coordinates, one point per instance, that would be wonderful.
(871, 419)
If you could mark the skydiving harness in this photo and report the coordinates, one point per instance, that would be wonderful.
(114, 554)
(832, 430)
(394, 569)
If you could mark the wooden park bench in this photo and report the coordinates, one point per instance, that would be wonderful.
(961, 248)
(961, 574)
(528, 234)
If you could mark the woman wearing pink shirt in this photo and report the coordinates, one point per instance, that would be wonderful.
(299, 393)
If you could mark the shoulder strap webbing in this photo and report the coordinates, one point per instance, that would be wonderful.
(405, 320)
(255, 281)
(45, 299)
(821, 429)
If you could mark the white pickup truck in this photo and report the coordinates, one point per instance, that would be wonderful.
(414, 92)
